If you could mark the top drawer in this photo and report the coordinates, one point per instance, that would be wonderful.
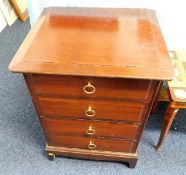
(77, 86)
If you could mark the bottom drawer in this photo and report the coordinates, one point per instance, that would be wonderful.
(92, 144)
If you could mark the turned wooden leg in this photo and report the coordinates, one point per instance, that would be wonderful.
(132, 163)
(156, 101)
(167, 122)
(51, 156)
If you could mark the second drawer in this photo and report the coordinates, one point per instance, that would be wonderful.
(60, 127)
(91, 109)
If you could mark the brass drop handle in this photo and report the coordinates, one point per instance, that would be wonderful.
(90, 112)
(91, 145)
(89, 88)
(90, 130)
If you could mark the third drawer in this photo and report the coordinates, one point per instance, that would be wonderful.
(87, 128)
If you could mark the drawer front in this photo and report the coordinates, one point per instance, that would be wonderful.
(92, 144)
(89, 128)
(91, 109)
(91, 87)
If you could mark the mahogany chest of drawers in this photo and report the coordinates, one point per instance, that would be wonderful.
(93, 75)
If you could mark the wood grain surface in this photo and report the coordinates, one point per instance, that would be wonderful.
(73, 86)
(107, 62)
(101, 144)
(104, 109)
(60, 127)
(95, 42)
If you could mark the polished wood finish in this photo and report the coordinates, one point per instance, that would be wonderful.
(100, 144)
(156, 101)
(174, 93)
(63, 117)
(90, 128)
(131, 158)
(97, 42)
(73, 86)
(93, 75)
(169, 117)
(167, 122)
(104, 109)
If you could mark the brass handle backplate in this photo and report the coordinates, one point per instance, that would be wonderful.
(89, 88)
(90, 112)
(90, 130)
(91, 145)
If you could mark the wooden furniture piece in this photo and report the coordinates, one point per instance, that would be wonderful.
(93, 75)
(176, 94)
(21, 8)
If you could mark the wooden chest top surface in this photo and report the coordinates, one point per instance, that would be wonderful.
(95, 42)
